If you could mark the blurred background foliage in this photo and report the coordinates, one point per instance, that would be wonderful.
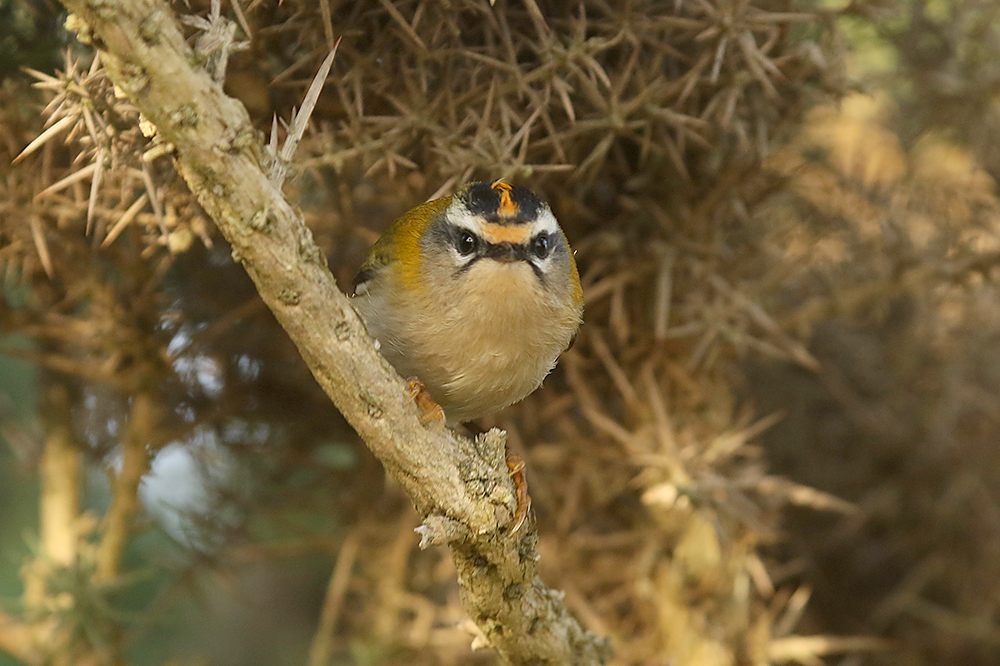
(773, 442)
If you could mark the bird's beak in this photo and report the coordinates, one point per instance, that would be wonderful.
(505, 252)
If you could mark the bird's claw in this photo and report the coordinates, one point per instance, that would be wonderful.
(428, 410)
(515, 464)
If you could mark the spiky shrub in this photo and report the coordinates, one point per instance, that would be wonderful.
(639, 123)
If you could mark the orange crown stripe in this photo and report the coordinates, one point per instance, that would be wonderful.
(507, 206)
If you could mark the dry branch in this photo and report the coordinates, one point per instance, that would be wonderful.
(460, 487)
(125, 501)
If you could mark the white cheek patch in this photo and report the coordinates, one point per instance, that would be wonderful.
(460, 216)
(546, 222)
(543, 264)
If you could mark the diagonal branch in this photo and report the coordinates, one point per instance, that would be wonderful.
(459, 487)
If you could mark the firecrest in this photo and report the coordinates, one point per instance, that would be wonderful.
(475, 294)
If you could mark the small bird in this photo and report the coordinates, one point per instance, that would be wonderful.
(475, 295)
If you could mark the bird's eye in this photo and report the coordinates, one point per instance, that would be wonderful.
(466, 243)
(540, 246)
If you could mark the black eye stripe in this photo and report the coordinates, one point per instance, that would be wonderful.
(471, 247)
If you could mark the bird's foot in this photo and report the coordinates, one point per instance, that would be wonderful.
(515, 464)
(428, 410)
